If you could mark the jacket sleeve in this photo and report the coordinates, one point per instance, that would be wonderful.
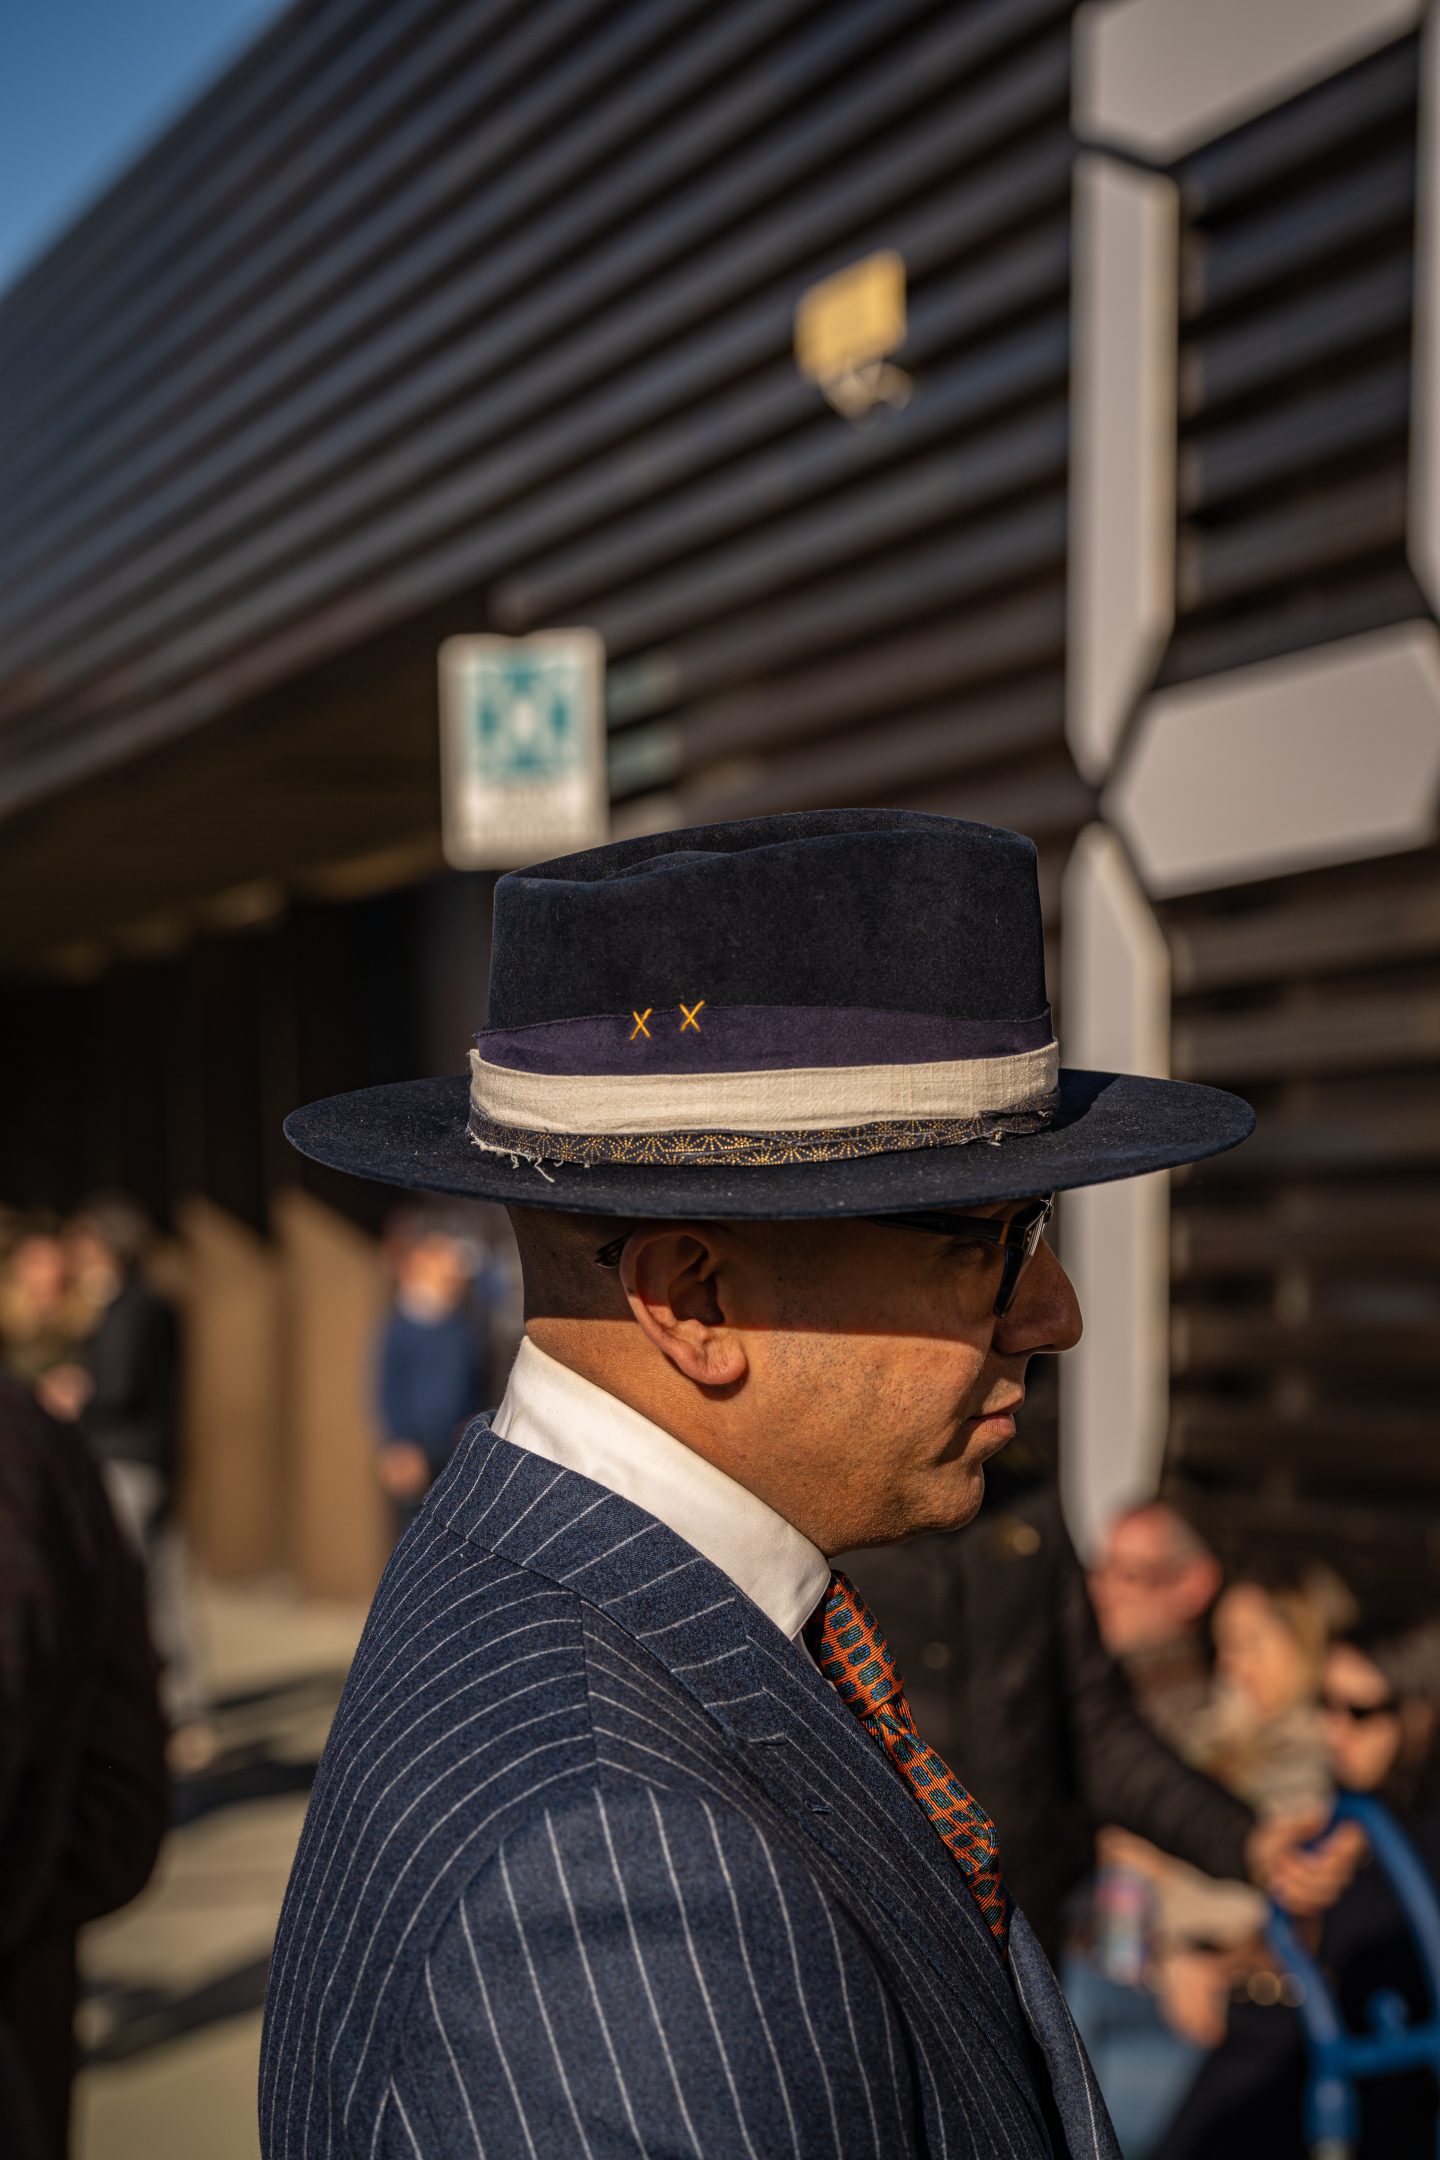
(122, 1797)
(641, 1970)
(1128, 1775)
(83, 1799)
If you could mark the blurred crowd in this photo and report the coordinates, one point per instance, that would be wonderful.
(1272, 1682)
(1162, 1743)
(102, 1697)
(87, 1438)
(83, 1325)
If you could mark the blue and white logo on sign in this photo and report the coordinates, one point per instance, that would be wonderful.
(528, 719)
(523, 749)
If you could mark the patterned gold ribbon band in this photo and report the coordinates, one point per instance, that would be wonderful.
(755, 1150)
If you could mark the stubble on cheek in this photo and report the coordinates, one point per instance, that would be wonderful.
(879, 1410)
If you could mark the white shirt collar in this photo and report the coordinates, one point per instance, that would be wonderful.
(553, 1412)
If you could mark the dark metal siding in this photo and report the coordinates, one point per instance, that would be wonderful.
(445, 314)
(1306, 1321)
(505, 329)
(1307, 1267)
(1298, 234)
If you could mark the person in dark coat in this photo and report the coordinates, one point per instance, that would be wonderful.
(83, 1796)
(996, 1626)
(123, 1390)
(128, 1403)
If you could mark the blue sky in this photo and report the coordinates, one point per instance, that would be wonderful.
(85, 85)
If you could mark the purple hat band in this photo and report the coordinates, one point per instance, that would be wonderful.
(700, 1038)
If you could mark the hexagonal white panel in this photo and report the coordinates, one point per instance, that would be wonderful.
(1122, 460)
(1325, 756)
(1160, 76)
(1115, 1014)
(1423, 516)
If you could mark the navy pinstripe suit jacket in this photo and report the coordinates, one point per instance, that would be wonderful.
(598, 1864)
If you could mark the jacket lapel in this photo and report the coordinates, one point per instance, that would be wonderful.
(1084, 2118)
(781, 1718)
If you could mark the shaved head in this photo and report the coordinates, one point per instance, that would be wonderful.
(853, 1376)
(557, 1258)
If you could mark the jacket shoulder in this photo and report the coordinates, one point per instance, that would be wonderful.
(465, 1703)
(625, 1929)
(486, 1702)
(468, 1687)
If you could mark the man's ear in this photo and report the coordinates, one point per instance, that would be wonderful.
(670, 1274)
(1206, 1578)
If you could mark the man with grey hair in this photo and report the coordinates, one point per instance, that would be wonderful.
(1153, 1582)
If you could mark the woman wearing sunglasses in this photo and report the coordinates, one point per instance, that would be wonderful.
(1380, 1704)
(1380, 1715)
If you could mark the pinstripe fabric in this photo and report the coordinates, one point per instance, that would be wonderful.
(566, 1886)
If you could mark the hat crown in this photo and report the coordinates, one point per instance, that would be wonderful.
(826, 1014)
(884, 911)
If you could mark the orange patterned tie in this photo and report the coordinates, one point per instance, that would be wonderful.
(855, 1657)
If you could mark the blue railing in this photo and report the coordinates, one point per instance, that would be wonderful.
(1339, 2058)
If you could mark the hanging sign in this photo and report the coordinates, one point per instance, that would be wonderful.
(845, 326)
(522, 741)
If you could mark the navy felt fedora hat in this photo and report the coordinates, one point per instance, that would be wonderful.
(825, 1013)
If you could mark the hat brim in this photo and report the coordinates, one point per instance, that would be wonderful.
(1107, 1126)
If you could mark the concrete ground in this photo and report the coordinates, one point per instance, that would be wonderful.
(173, 1985)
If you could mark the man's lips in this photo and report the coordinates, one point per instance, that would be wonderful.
(993, 1428)
(1002, 1411)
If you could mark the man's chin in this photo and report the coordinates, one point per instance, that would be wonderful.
(974, 1499)
(958, 1507)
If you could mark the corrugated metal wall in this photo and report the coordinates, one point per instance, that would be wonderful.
(438, 316)
(494, 305)
(1297, 275)
(1307, 1313)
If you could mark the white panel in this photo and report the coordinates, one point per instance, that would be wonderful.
(1325, 756)
(1160, 76)
(1424, 508)
(1122, 462)
(1116, 1017)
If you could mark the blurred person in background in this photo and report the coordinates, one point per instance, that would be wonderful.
(1034, 1703)
(123, 1390)
(431, 1368)
(82, 1759)
(1380, 1714)
(42, 1321)
(1263, 1738)
(1155, 1953)
(1152, 1588)
(1034, 1708)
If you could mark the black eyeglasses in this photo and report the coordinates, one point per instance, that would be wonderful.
(1359, 1713)
(1018, 1237)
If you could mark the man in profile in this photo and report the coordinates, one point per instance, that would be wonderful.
(625, 1841)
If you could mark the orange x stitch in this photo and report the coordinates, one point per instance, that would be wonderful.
(689, 1019)
(640, 1018)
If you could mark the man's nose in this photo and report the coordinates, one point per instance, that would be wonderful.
(1044, 1315)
